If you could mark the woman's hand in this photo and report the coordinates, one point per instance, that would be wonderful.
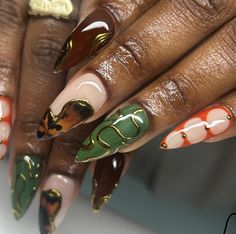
(174, 38)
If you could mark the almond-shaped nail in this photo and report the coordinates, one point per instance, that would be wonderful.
(118, 130)
(5, 124)
(93, 33)
(26, 180)
(200, 127)
(57, 194)
(76, 103)
(106, 178)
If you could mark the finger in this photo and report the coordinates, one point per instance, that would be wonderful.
(192, 84)
(63, 179)
(106, 178)
(104, 20)
(43, 39)
(213, 124)
(13, 19)
(144, 50)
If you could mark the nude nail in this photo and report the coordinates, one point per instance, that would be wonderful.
(204, 125)
(81, 98)
(5, 124)
(57, 194)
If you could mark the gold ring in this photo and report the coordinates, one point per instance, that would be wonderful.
(55, 8)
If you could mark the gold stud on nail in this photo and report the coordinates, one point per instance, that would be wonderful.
(184, 135)
(164, 146)
(229, 117)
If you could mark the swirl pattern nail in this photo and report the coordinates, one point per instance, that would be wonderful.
(25, 183)
(118, 130)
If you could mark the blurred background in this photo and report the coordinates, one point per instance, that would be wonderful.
(186, 191)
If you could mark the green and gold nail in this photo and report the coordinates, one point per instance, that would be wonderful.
(118, 130)
(26, 180)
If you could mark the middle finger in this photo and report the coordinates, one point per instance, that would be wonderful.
(137, 56)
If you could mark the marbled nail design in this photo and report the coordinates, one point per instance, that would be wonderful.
(26, 180)
(56, 197)
(106, 178)
(72, 114)
(5, 124)
(120, 129)
(88, 37)
(75, 104)
(200, 127)
(50, 204)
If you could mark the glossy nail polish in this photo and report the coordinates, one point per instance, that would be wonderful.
(76, 103)
(5, 124)
(56, 197)
(106, 178)
(94, 32)
(26, 180)
(118, 130)
(200, 127)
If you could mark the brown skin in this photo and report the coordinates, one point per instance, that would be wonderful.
(150, 46)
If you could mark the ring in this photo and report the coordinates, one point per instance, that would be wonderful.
(55, 8)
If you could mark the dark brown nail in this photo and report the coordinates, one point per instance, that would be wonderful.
(106, 178)
(87, 38)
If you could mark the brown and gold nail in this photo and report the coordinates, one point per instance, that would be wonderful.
(94, 32)
(106, 178)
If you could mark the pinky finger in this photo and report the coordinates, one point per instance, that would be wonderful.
(213, 124)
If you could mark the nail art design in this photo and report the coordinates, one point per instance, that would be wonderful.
(120, 129)
(94, 32)
(56, 197)
(200, 127)
(106, 178)
(25, 183)
(72, 114)
(50, 204)
(75, 104)
(5, 124)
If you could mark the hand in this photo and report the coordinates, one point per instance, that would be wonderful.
(173, 49)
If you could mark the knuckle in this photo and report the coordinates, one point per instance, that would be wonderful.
(228, 41)
(205, 10)
(11, 15)
(134, 55)
(43, 52)
(179, 94)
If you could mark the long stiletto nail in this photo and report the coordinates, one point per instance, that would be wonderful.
(200, 127)
(94, 32)
(120, 129)
(106, 178)
(5, 124)
(25, 183)
(56, 197)
(76, 103)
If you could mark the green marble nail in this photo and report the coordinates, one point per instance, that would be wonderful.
(120, 129)
(26, 180)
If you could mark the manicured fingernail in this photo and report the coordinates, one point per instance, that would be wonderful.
(106, 178)
(56, 197)
(26, 180)
(5, 124)
(93, 33)
(120, 129)
(200, 127)
(76, 103)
